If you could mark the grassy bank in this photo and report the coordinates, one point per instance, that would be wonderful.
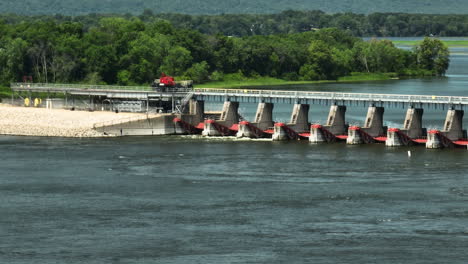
(5, 92)
(449, 43)
(269, 81)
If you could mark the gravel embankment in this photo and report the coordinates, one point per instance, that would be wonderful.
(29, 121)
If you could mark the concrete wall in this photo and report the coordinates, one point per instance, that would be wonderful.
(300, 118)
(412, 125)
(453, 126)
(229, 115)
(160, 125)
(264, 116)
(196, 114)
(336, 120)
(374, 121)
(197, 110)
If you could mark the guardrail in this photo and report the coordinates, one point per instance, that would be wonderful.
(45, 86)
(337, 96)
(89, 87)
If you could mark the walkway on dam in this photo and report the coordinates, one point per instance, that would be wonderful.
(313, 97)
(250, 95)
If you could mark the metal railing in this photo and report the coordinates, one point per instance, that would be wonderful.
(91, 87)
(46, 86)
(337, 96)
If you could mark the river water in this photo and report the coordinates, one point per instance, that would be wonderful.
(192, 200)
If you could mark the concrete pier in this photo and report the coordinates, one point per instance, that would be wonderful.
(354, 136)
(374, 121)
(453, 126)
(394, 138)
(186, 123)
(210, 129)
(279, 133)
(412, 125)
(263, 121)
(300, 118)
(229, 116)
(336, 120)
(316, 134)
(247, 129)
(283, 132)
(196, 111)
(433, 140)
(264, 116)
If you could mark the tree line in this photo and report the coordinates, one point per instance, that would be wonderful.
(118, 50)
(287, 22)
(72, 7)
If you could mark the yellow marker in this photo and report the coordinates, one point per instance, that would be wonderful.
(36, 102)
(26, 102)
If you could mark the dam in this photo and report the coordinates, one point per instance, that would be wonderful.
(183, 112)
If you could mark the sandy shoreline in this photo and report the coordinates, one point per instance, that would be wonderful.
(30, 121)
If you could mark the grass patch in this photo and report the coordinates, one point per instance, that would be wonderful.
(449, 43)
(5, 92)
(359, 77)
(270, 81)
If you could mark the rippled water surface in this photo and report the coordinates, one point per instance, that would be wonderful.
(221, 200)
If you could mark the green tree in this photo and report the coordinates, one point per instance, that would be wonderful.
(176, 62)
(433, 55)
(198, 72)
(12, 60)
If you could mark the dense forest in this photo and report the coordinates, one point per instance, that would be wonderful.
(72, 7)
(373, 25)
(131, 51)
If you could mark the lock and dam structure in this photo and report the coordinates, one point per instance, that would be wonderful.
(182, 111)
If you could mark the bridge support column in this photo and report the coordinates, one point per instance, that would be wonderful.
(186, 123)
(263, 121)
(197, 111)
(264, 116)
(300, 118)
(279, 133)
(433, 140)
(453, 127)
(354, 136)
(374, 121)
(244, 130)
(229, 115)
(316, 134)
(336, 120)
(393, 139)
(412, 126)
(209, 129)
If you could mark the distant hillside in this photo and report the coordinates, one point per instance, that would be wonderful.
(79, 7)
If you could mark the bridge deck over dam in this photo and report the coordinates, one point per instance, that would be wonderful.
(247, 95)
(333, 97)
(111, 91)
